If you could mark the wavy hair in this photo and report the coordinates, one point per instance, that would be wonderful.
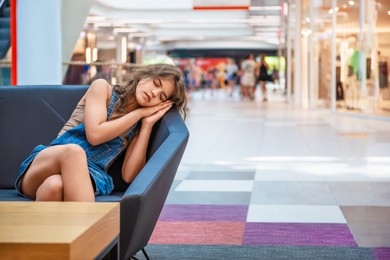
(154, 71)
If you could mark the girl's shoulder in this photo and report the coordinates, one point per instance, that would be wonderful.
(102, 86)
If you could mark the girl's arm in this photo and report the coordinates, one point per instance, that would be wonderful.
(135, 157)
(98, 129)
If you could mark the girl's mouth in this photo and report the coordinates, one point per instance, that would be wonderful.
(147, 97)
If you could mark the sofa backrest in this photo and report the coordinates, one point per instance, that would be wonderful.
(31, 115)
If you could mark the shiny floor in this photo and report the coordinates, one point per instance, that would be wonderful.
(287, 164)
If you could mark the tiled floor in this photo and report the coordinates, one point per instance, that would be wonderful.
(287, 165)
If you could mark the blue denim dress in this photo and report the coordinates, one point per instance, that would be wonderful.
(99, 157)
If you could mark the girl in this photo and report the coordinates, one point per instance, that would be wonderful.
(263, 77)
(106, 121)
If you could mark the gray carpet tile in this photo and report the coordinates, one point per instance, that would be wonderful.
(221, 175)
(361, 193)
(370, 225)
(215, 252)
(216, 198)
(292, 193)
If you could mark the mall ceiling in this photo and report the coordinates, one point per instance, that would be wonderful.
(193, 23)
(216, 24)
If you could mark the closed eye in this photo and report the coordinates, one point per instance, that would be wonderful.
(157, 82)
(163, 97)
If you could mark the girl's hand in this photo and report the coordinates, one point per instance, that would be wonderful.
(147, 111)
(153, 118)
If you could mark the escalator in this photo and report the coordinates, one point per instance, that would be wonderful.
(5, 28)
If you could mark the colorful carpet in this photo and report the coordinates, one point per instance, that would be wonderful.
(221, 232)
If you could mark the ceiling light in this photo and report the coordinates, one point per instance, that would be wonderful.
(103, 24)
(95, 18)
(125, 30)
(351, 2)
(265, 8)
(388, 12)
(267, 29)
(265, 17)
(139, 34)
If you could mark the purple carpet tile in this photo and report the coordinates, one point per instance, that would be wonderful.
(382, 253)
(298, 234)
(220, 213)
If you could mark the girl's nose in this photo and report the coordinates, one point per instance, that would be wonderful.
(155, 92)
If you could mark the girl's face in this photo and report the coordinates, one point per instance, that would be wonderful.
(151, 92)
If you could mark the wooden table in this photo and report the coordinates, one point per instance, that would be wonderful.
(57, 230)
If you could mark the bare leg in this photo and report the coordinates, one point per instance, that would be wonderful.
(252, 92)
(51, 189)
(66, 161)
(244, 91)
(264, 90)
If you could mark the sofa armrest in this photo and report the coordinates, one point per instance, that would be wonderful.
(143, 201)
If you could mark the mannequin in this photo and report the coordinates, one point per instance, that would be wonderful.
(353, 90)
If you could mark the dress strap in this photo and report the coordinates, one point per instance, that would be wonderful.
(111, 106)
(133, 130)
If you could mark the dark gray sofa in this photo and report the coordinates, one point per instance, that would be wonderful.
(32, 115)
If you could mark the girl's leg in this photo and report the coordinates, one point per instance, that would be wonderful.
(245, 90)
(264, 90)
(252, 91)
(67, 161)
(51, 189)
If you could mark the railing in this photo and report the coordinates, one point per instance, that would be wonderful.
(80, 72)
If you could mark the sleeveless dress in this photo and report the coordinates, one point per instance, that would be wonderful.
(99, 157)
(263, 76)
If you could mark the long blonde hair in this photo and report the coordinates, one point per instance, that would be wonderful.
(154, 71)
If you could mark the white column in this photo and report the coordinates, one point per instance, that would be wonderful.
(47, 31)
(74, 13)
(121, 54)
(362, 43)
(289, 52)
(305, 76)
(121, 47)
(374, 55)
(140, 50)
(332, 86)
(311, 55)
(297, 54)
(39, 42)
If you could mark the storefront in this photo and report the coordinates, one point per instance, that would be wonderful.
(345, 55)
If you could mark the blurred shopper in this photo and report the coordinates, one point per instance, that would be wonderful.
(231, 71)
(263, 77)
(248, 69)
(211, 81)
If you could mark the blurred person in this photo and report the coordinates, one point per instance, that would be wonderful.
(231, 71)
(263, 77)
(211, 81)
(248, 76)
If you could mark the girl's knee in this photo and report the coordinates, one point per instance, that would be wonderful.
(51, 189)
(73, 151)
